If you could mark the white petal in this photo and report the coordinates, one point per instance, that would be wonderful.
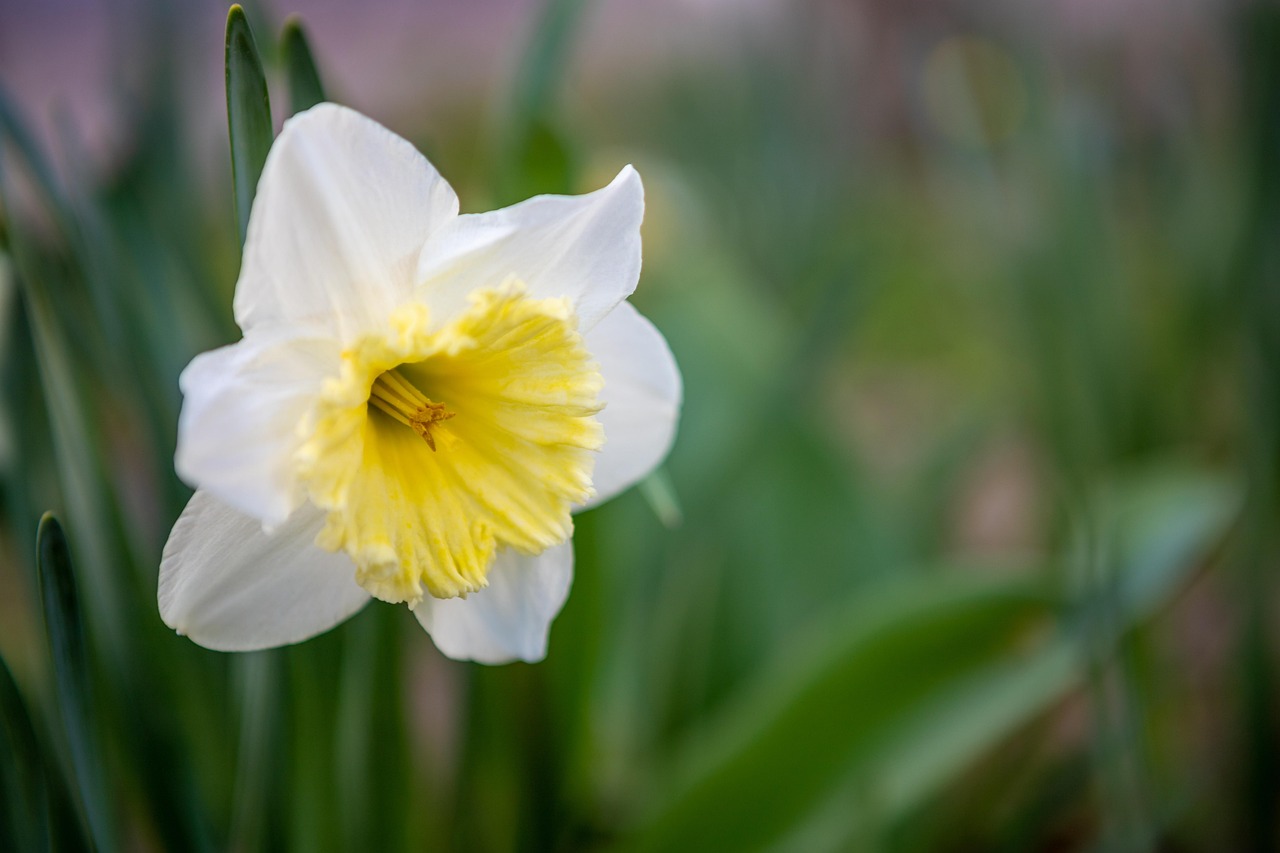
(240, 413)
(642, 394)
(509, 619)
(229, 586)
(583, 247)
(341, 212)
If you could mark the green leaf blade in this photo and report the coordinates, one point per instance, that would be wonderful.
(766, 763)
(248, 114)
(23, 791)
(64, 631)
(305, 87)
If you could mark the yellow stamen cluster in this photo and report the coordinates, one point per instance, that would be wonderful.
(395, 396)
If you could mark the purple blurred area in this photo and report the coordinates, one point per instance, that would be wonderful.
(77, 61)
(398, 59)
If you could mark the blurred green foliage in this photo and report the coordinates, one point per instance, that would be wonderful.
(796, 636)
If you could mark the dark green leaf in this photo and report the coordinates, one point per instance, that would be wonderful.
(72, 681)
(79, 463)
(305, 88)
(23, 797)
(248, 114)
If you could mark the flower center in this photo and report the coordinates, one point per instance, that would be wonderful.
(516, 440)
(395, 396)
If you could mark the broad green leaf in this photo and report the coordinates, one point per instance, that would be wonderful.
(305, 88)
(930, 747)
(910, 688)
(73, 687)
(749, 775)
(248, 114)
(23, 793)
(1164, 521)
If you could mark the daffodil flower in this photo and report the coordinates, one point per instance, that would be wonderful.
(419, 402)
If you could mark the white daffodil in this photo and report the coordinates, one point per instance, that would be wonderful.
(419, 402)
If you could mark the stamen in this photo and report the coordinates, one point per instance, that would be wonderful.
(395, 396)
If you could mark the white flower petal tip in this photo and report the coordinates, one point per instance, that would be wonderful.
(341, 211)
(511, 618)
(642, 395)
(583, 247)
(230, 587)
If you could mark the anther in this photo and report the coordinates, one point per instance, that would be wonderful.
(395, 396)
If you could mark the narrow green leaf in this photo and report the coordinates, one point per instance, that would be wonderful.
(257, 775)
(248, 114)
(546, 59)
(23, 794)
(79, 463)
(353, 741)
(71, 678)
(541, 160)
(534, 157)
(14, 130)
(305, 88)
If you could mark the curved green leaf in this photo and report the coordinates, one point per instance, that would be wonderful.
(248, 113)
(762, 767)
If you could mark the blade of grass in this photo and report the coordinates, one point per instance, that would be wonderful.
(248, 113)
(250, 130)
(72, 680)
(534, 157)
(23, 793)
(545, 59)
(305, 88)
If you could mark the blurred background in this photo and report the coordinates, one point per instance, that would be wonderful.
(970, 535)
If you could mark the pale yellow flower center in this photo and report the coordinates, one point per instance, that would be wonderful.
(438, 445)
